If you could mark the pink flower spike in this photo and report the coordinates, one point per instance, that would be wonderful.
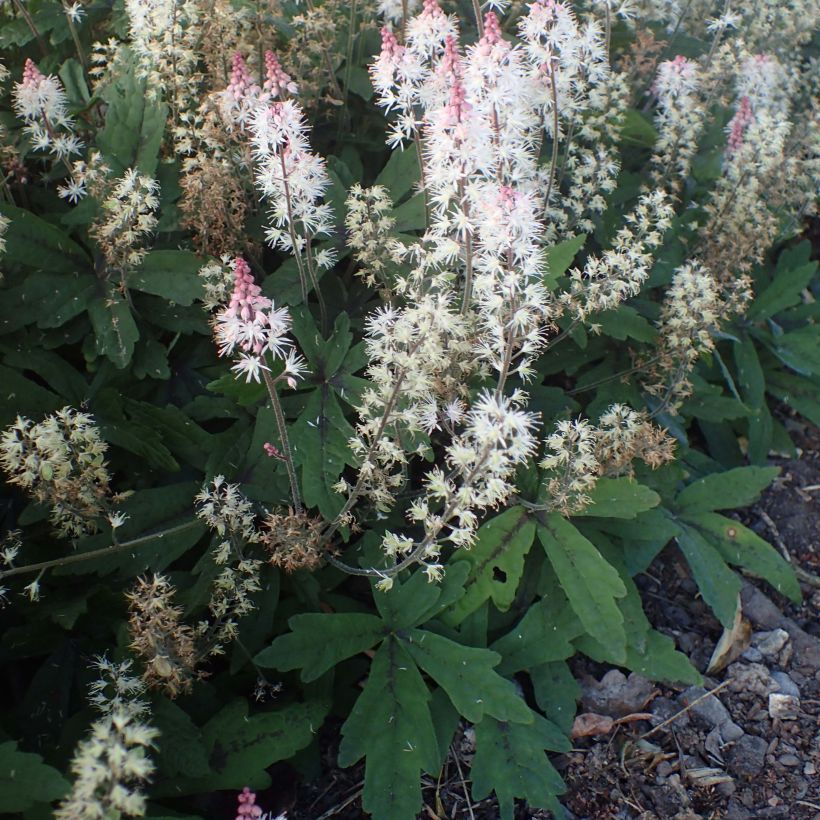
(247, 805)
(272, 452)
(32, 76)
(277, 82)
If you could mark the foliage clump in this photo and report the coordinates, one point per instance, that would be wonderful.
(385, 344)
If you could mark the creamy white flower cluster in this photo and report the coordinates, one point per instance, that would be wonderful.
(41, 103)
(61, 462)
(497, 437)
(293, 180)
(416, 354)
(619, 272)
(679, 119)
(111, 764)
(164, 35)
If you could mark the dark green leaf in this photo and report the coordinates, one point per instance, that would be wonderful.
(496, 563)
(718, 585)
(391, 726)
(560, 257)
(318, 641)
(556, 692)
(181, 750)
(115, 329)
(510, 761)
(619, 498)
(466, 674)
(722, 491)
(26, 780)
(740, 546)
(134, 125)
(544, 634)
(401, 172)
(34, 243)
(173, 275)
(591, 584)
(240, 747)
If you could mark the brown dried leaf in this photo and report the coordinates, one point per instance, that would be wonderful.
(590, 724)
(733, 642)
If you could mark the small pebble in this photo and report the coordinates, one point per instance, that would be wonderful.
(784, 707)
(770, 643)
(789, 760)
(809, 769)
(785, 684)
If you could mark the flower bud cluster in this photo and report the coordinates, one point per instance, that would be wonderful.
(60, 461)
(766, 165)
(217, 283)
(41, 103)
(293, 540)
(160, 637)
(224, 508)
(418, 355)
(111, 764)
(624, 435)
(571, 465)
(164, 35)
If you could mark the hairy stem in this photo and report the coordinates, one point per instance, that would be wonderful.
(283, 439)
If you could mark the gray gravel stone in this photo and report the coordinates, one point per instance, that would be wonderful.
(709, 712)
(747, 757)
(785, 685)
(769, 644)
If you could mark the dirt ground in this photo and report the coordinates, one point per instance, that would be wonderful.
(750, 750)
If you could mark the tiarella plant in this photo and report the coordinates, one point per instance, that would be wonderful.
(357, 357)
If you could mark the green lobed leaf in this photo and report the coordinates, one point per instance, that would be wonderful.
(496, 563)
(510, 761)
(171, 274)
(788, 282)
(625, 323)
(391, 726)
(319, 641)
(466, 673)
(240, 747)
(619, 498)
(401, 172)
(721, 491)
(32, 242)
(556, 692)
(740, 546)
(591, 584)
(26, 780)
(115, 329)
(799, 350)
(718, 585)
(544, 634)
(560, 257)
(181, 750)
(19, 395)
(134, 124)
(638, 130)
